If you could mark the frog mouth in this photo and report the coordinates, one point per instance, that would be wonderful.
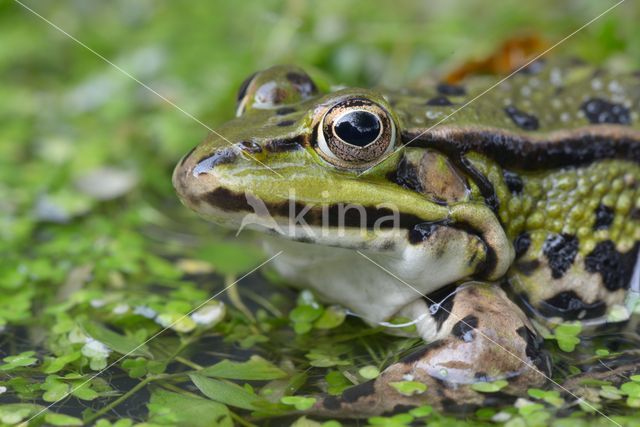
(349, 226)
(367, 216)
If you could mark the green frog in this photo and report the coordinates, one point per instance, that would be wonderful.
(470, 215)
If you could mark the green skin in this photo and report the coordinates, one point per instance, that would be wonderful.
(533, 186)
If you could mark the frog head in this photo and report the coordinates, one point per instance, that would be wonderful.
(318, 168)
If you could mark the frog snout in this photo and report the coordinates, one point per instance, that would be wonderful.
(192, 179)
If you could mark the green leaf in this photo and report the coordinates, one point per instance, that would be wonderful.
(301, 403)
(256, 368)
(631, 389)
(568, 344)
(13, 413)
(569, 329)
(301, 328)
(58, 363)
(369, 372)
(305, 313)
(337, 382)
(489, 387)
(116, 342)
(566, 334)
(610, 392)
(85, 392)
(55, 391)
(224, 392)
(332, 317)
(552, 397)
(421, 411)
(409, 388)
(399, 420)
(19, 361)
(633, 402)
(166, 407)
(62, 420)
(305, 422)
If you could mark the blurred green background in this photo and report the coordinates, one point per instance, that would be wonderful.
(71, 253)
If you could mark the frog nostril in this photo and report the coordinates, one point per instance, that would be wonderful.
(206, 164)
(250, 147)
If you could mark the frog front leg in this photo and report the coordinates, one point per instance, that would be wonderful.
(482, 336)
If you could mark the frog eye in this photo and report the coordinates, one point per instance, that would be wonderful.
(355, 132)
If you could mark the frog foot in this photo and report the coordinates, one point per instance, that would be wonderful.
(484, 338)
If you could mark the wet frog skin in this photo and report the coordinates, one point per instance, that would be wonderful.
(523, 205)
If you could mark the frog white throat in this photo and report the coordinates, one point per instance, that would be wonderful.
(378, 284)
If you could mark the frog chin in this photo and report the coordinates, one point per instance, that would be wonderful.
(380, 279)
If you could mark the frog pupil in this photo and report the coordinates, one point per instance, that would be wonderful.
(359, 128)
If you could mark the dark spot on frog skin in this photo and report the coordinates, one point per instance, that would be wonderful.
(569, 306)
(422, 232)
(521, 244)
(439, 101)
(481, 376)
(250, 147)
(354, 393)
(560, 250)
(521, 119)
(331, 403)
(440, 304)
(472, 259)
(533, 351)
(528, 267)
(399, 409)
(227, 155)
(451, 90)
(513, 181)
(420, 353)
(486, 187)
(614, 267)
(285, 123)
(604, 217)
(283, 111)
(600, 111)
(303, 83)
(282, 145)
(406, 175)
(463, 330)
(227, 200)
(388, 245)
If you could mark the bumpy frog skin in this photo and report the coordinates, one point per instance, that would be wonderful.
(526, 201)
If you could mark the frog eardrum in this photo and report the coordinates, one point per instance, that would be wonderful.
(354, 132)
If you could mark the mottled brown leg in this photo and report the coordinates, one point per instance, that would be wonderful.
(485, 337)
